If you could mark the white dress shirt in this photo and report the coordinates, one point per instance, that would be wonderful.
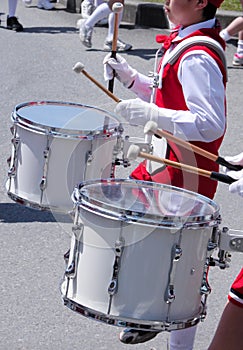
(203, 89)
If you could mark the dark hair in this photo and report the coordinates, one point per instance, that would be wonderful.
(209, 11)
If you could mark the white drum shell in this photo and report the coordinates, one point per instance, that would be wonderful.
(144, 270)
(68, 164)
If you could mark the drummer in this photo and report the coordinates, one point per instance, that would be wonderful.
(229, 332)
(190, 103)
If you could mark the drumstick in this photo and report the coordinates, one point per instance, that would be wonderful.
(116, 8)
(134, 152)
(79, 68)
(152, 127)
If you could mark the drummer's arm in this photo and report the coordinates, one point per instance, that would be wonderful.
(137, 82)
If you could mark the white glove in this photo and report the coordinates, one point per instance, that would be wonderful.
(238, 159)
(237, 186)
(235, 174)
(123, 72)
(137, 112)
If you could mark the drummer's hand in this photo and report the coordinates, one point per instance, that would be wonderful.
(123, 72)
(237, 160)
(137, 112)
(237, 186)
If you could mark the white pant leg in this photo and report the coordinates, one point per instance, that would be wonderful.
(102, 11)
(12, 5)
(183, 339)
(111, 22)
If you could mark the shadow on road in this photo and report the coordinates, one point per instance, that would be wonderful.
(13, 213)
(50, 30)
(146, 54)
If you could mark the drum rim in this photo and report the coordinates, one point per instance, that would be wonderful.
(150, 219)
(131, 322)
(35, 205)
(62, 132)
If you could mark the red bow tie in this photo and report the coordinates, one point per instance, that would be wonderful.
(166, 40)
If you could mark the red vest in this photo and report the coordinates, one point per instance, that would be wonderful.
(171, 96)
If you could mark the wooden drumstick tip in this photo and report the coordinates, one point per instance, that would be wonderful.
(133, 152)
(150, 127)
(78, 67)
(117, 7)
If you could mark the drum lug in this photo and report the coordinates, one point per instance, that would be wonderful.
(89, 157)
(12, 172)
(43, 182)
(175, 256)
(66, 257)
(13, 159)
(205, 287)
(77, 231)
(212, 245)
(119, 246)
(112, 289)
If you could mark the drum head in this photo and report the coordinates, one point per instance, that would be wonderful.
(146, 202)
(65, 119)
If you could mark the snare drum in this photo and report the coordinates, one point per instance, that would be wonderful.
(56, 145)
(139, 254)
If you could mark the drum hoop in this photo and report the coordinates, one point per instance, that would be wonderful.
(59, 132)
(34, 205)
(130, 322)
(130, 216)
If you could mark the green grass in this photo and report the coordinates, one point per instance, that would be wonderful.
(230, 5)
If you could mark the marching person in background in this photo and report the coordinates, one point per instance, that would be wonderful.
(88, 7)
(101, 12)
(42, 4)
(229, 331)
(190, 103)
(12, 20)
(236, 26)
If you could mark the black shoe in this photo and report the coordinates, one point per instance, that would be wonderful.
(136, 336)
(13, 24)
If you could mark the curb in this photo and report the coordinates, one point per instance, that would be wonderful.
(147, 14)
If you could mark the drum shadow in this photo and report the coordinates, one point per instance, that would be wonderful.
(14, 212)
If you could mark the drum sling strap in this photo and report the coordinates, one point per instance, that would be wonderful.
(202, 40)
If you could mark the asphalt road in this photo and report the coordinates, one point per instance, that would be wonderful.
(37, 65)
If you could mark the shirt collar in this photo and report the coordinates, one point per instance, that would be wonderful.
(194, 27)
